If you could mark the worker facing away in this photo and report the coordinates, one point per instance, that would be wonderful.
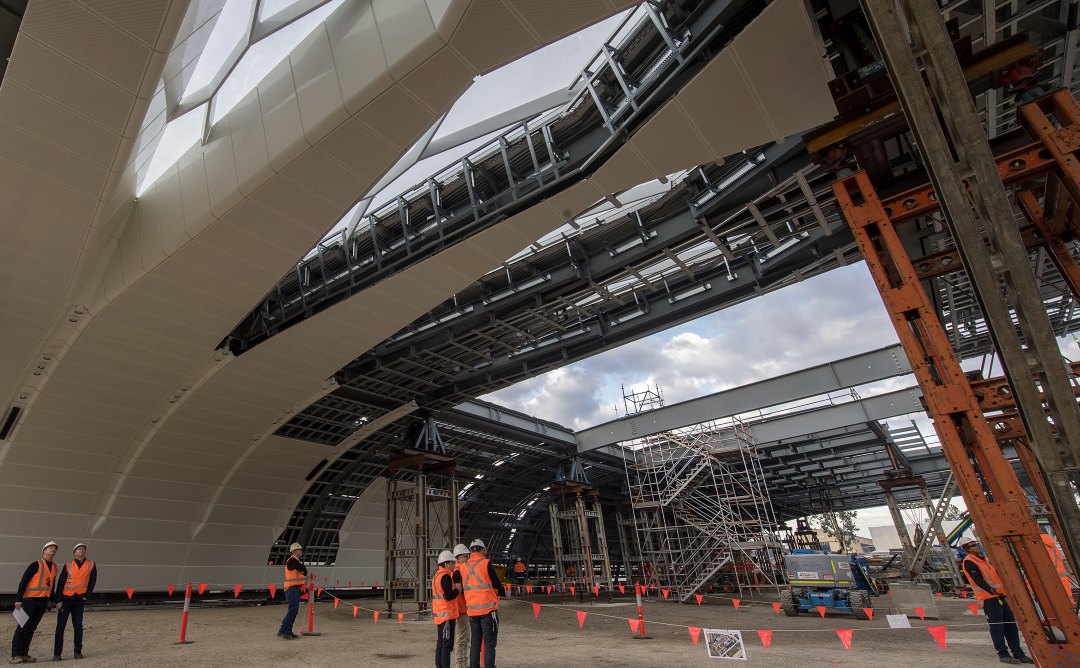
(295, 582)
(482, 589)
(519, 573)
(986, 584)
(75, 584)
(444, 608)
(33, 597)
(464, 631)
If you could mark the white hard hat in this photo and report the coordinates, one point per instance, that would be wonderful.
(460, 550)
(445, 556)
(50, 543)
(77, 546)
(294, 547)
(477, 543)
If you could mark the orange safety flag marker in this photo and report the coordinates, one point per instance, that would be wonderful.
(666, 592)
(273, 589)
(336, 601)
(376, 614)
(766, 638)
(635, 624)
(845, 637)
(536, 610)
(974, 608)
(171, 589)
(318, 592)
(528, 588)
(236, 590)
(622, 589)
(695, 633)
(355, 610)
(581, 619)
(202, 588)
(699, 598)
(939, 594)
(869, 612)
(376, 584)
(596, 591)
(337, 583)
(921, 612)
(963, 594)
(776, 608)
(401, 618)
(572, 593)
(130, 592)
(736, 602)
(350, 584)
(821, 611)
(938, 632)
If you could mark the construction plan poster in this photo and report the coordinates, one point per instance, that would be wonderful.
(724, 644)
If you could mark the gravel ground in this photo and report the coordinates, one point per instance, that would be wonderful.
(245, 636)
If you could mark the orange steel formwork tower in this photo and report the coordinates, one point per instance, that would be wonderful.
(994, 496)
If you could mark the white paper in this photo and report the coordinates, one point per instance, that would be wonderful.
(20, 616)
(724, 644)
(898, 621)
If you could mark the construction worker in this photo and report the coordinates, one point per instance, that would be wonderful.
(33, 597)
(444, 608)
(986, 584)
(482, 589)
(1058, 557)
(295, 584)
(519, 572)
(464, 630)
(73, 587)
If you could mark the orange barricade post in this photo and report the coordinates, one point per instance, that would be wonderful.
(641, 617)
(183, 618)
(312, 592)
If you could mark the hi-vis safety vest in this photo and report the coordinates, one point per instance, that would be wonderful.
(1059, 563)
(441, 609)
(41, 584)
(989, 574)
(481, 596)
(78, 578)
(519, 567)
(293, 578)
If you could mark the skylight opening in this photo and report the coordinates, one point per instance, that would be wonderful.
(231, 30)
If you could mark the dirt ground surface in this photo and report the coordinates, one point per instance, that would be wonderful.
(245, 636)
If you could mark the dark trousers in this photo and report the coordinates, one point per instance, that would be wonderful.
(292, 597)
(1003, 631)
(485, 629)
(20, 642)
(75, 610)
(444, 643)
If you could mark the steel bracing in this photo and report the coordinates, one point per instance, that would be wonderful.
(712, 237)
(701, 507)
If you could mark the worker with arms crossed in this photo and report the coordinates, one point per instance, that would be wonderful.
(75, 585)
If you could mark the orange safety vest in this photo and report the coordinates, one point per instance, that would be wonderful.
(989, 574)
(78, 578)
(519, 567)
(1059, 563)
(41, 584)
(481, 596)
(293, 578)
(441, 609)
(460, 600)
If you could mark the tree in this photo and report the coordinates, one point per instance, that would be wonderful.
(953, 513)
(844, 534)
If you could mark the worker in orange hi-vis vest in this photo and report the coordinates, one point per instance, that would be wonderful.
(444, 608)
(464, 631)
(295, 583)
(1058, 557)
(483, 589)
(519, 572)
(33, 597)
(986, 585)
(73, 587)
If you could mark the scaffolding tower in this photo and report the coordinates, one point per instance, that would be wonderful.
(578, 538)
(421, 515)
(702, 512)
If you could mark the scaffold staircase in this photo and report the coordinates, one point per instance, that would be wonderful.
(701, 512)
